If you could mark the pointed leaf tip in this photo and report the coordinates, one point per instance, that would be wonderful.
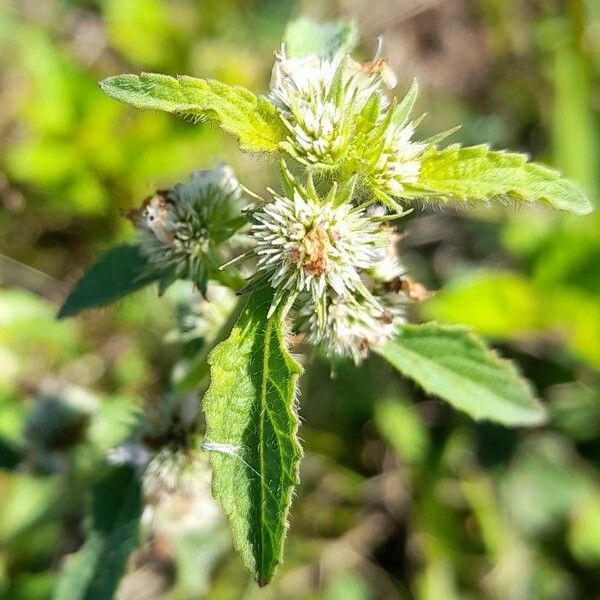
(452, 363)
(463, 174)
(120, 271)
(252, 433)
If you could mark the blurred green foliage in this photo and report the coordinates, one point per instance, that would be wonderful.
(400, 496)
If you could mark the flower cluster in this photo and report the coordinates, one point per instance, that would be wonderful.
(332, 259)
(338, 118)
(319, 100)
(324, 247)
(183, 231)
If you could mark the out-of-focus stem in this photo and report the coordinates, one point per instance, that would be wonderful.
(198, 369)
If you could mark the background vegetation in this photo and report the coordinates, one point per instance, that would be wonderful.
(401, 497)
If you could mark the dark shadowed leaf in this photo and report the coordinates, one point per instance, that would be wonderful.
(120, 271)
(94, 572)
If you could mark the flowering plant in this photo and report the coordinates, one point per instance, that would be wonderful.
(314, 262)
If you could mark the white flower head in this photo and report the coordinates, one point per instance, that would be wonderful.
(176, 488)
(397, 160)
(175, 470)
(182, 231)
(353, 326)
(305, 244)
(319, 100)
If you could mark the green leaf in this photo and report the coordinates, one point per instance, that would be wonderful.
(400, 425)
(93, 573)
(454, 364)
(251, 433)
(404, 109)
(304, 37)
(252, 119)
(479, 174)
(495, 304)
(120, 271)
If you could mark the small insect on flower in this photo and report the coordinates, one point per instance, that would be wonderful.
(154, 214)
(378, 66)
(382, 66)
(185, 231)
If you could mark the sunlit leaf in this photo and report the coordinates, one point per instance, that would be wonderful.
(454, 364)
(251, 433)
(497, 304)
(478, 174)
(252, 119)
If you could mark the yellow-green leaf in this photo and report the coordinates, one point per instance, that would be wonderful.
(479, 174)
(252, 119)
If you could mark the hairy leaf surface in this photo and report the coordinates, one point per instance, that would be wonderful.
(454, 364)
(120, 271)
(251, 433)
(304, 37)
(479, 174)
(93, 573)
(250, 118)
